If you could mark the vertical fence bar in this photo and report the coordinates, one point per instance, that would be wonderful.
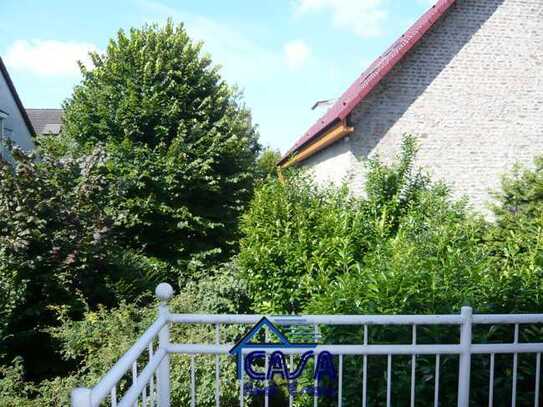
(537, 378)
(266, 365)
(144, 396)
(316, 383)
(152, 380)
(164, 292)
(290, 395)
(135, 376)
(134, 371)
(217, 367)
(192, 381)
(515, 368)
(413, 366)
(241, 384)
(436, 388)
(114, 396)
(340, 382)
(491, 383)
(389, 379)
(464, 369)
(365, 371)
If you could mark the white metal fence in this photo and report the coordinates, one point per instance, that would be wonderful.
(151, 385)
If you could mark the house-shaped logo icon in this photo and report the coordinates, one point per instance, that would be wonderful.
(247, 342)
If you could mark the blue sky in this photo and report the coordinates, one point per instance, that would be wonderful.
(283, 54)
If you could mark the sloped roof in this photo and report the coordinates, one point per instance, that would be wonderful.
(18, 102)
(372, 76)
(46, 121)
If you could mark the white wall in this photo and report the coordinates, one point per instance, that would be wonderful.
(15, 122)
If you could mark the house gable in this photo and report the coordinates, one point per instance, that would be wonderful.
(16, 124)
(365, 84)
(471, 91)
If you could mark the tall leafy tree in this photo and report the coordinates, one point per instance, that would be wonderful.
(267, 163)
(182, 146)
(156, 161)
(56, 251)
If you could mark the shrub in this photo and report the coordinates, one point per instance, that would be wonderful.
(403, 248)
(267, 163)
(84, 343)
(61, 248)
(439, 259)
(295, 237)
(12, 289)
(55, 247)
(298, 237)
(516, 239)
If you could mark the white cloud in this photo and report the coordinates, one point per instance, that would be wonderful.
(242, 59)
(296, 54)
(365, 18)
(48, 57)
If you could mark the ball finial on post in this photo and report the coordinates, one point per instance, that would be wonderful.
(164, 292)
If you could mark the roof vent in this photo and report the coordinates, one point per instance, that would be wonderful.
(322, 103)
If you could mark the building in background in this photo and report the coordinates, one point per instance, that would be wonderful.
(466, 79)
(14, 122)
(46, 121)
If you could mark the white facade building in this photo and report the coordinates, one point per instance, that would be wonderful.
(14, 122)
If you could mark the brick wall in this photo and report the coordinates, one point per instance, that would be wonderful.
(471, 91)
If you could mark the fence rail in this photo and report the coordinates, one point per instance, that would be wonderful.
(151, 386)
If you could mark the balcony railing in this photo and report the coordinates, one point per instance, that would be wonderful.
(151, 385)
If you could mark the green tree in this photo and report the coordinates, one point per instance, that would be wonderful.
(182, 147)
(56, 245)
(521, 195)
(267, 163)
(516, 237)
(146, 183)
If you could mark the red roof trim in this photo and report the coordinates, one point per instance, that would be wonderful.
(372, 76)
(18, 102)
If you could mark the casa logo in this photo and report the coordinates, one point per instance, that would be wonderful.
(280, 369)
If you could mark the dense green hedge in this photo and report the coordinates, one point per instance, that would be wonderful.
(404, 248)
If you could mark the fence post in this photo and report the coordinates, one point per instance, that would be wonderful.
(164, 292)
(464, 369)
(81, 397)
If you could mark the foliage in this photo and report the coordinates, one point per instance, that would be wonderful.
(516, 241)
(266, 164)
(61, 248)
(182, 147)
(84, 342)
(403, 248)
(55, 242)
(521, 195)
(11, 294)
(155, 163)
(295, 236)
(298, 237)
